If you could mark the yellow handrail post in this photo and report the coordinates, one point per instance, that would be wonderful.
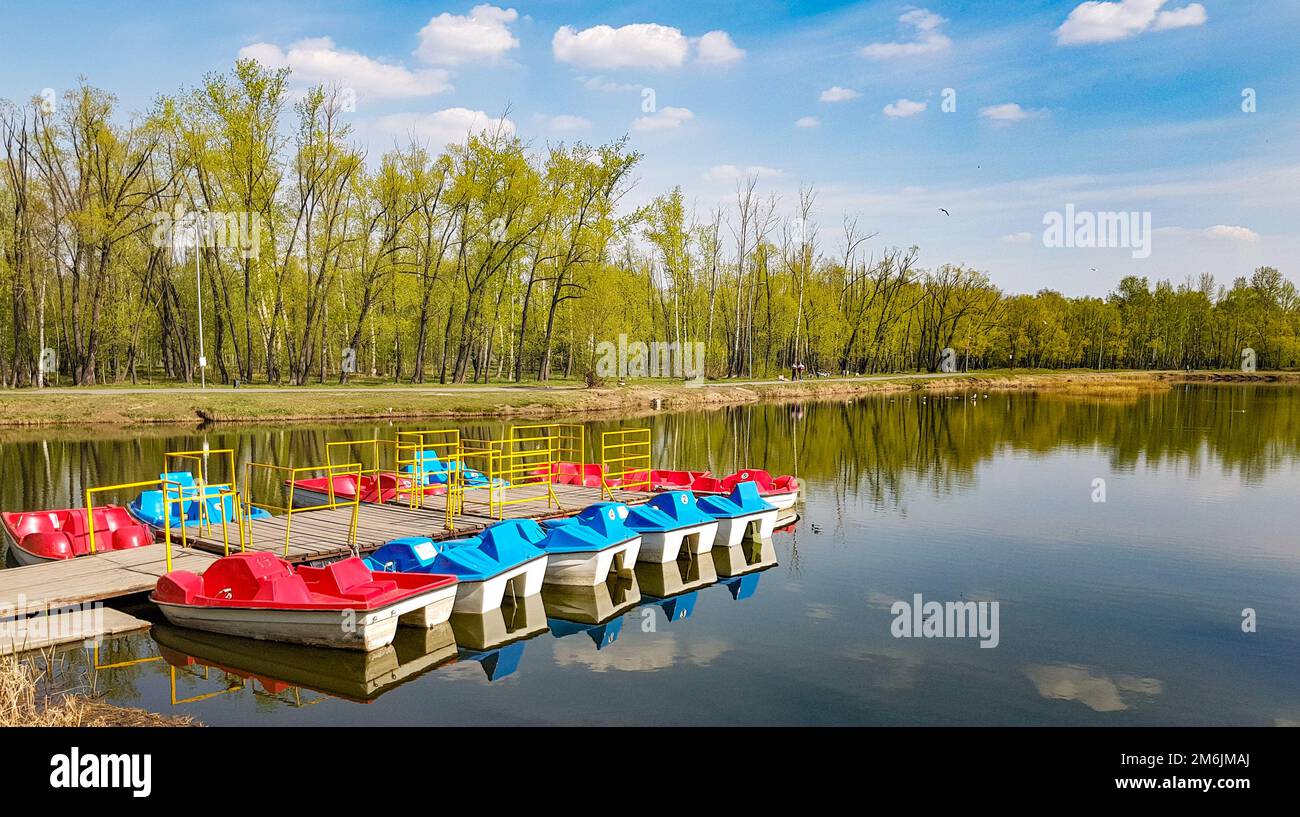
(624, 453)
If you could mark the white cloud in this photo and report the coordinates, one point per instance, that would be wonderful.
(639, 45)
(1018, 238)
(837, 94)
(1185, 17)
(1007, 112)
(904, 108)
(318, 60)
(483, 34)
(927, 38)
(717, 48)
(1232, 233)
(1105, 22)
(732, 173)
(441, 127)
(564, 122)
(807, 122)
(664, 119)
(607, 86)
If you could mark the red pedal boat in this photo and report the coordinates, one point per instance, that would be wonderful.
(382, 487)
(36, 537)
(343, 605)
(780, 492)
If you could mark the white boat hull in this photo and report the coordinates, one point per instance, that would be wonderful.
(477, 598)
(340, 629)
(744, 558)
(433, 614)
(783, 501)
(758, 526)
(665, 546)
(587, 568)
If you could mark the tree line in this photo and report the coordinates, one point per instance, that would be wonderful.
(491, 260)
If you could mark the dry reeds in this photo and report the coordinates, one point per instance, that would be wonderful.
(23, 703)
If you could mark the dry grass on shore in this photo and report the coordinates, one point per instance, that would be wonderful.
(23, 703)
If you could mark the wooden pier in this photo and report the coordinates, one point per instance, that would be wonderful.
(320, 534)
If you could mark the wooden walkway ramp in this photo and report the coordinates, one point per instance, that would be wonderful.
(323, 533)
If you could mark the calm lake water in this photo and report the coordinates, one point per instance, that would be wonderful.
(1127, 611)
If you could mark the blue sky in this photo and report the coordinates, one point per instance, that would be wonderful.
(1132, 105)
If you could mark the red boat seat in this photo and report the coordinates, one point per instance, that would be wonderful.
(134, 536)
(179, 587)
(260, 576)
(49, 544)
(766, 483)
(711, 485)
(36, 522)
(349, 579)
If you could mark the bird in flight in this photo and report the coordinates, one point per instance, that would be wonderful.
(945, 212)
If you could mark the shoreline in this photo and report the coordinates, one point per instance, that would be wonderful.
(161, 406)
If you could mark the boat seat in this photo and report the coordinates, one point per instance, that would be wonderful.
(37, 522)
(350, 579)
(127, 537)
(179, 587)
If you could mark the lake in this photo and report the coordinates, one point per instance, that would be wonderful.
(1125, 541)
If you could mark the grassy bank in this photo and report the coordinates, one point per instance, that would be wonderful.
(117, 406)
(23, 703)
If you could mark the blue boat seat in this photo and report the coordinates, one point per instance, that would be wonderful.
(744, 500)
(667, 511)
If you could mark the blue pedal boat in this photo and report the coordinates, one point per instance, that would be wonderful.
(597, 611)
(674, 585)
(504, 557)
(747, 557)
(433, 471)
(584, 549)
(741, 512)
(743, 586)
(496, 639)
(670, 524)
(197, 504)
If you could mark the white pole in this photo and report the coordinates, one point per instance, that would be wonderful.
(198, 289)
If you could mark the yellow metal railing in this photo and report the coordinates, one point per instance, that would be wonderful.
(117, 664)
(276, 474)
(570, 439)
(193, 699)
(410, 451)
(402, 484)
(204, 487)
(518, 470)
(173, 493)
(624, 461)
(201, 458)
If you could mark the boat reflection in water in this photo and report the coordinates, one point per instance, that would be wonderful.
(672, 585)
(597, 611)
(496, 638)
(355, 676)
(741, 566)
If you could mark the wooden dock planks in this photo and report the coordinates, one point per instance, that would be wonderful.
(26, 634)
